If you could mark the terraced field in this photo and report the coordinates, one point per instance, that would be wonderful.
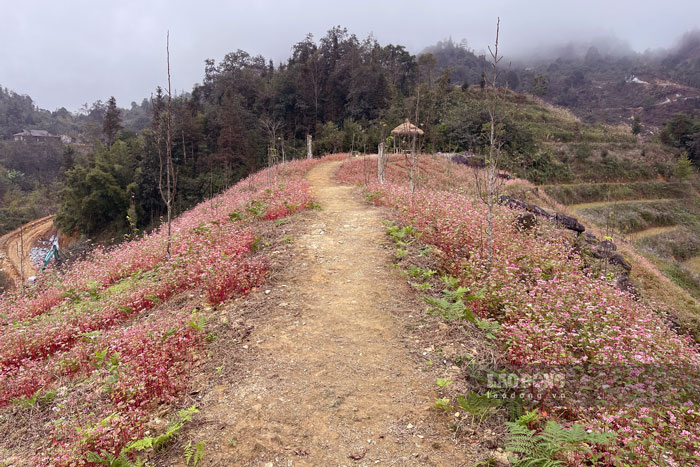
(693, 264)
(653, 232)
(584, 193)
(661, 219)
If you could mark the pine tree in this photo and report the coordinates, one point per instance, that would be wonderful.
(683, 168)
(112, 123)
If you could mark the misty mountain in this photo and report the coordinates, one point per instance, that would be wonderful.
(465, 66)
(600, 80)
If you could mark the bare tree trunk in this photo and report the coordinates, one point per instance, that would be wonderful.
(315, 72)
(309, 153)
(168, 194)
(381, 163)
(271, 126)
(414, 156)
(169, 155)
(412, 184)
(494, 146)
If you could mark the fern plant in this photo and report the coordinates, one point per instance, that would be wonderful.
(479, 405)
(110, 460)
(193, 453)
(198, 322)
(490, 328)
(183, 416)
(399, 234)
(442, 404)
(450, 281)
(449, 310)
(38, 399)
(155, 443)
(549, 447)
(452, 305)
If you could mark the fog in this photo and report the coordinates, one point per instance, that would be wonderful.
(65, 54)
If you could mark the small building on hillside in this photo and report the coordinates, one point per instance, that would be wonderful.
(35, 136)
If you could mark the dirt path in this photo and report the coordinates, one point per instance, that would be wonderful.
(327, 375)
(9, 247)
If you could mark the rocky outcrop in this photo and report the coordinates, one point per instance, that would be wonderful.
(569, 222)
(469, 159)
(602, 251)
(529, 207)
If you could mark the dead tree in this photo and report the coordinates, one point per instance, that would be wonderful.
(488, 189)
(309, 153)
(315, 72)
(271, 127)
(167, 193)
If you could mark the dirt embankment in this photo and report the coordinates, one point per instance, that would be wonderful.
(10, 261)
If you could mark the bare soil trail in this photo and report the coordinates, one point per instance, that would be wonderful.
(9, 247)
(328, 377)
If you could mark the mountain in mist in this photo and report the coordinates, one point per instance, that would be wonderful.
(599, 80)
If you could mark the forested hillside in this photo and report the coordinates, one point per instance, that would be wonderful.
(32, 172)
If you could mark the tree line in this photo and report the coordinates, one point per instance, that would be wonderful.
(345, 92)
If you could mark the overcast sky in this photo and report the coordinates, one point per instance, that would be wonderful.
(69, 52)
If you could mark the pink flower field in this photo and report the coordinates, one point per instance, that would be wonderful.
(554, 314)
(104, 343)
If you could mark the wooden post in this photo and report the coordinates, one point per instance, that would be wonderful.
(309, 153)
(381, 163)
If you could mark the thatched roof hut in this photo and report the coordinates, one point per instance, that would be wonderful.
(407, 129)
